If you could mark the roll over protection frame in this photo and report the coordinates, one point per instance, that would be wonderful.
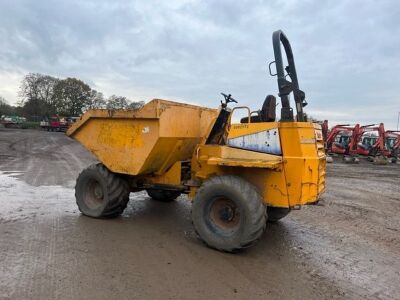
(285, 86)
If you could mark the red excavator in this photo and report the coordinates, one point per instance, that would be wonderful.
(351, 141)
(355, 140)
(367, 141)
(362, 140)
(370, 144)
(338, 138)
(384, 145)
(392, 143)
(344, 139)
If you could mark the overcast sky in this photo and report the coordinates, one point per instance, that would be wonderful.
(347, 53)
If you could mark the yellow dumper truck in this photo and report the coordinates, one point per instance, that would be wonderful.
(237, 175)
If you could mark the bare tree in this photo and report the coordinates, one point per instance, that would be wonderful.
(5, 108)
(37, 93)
(3, 101)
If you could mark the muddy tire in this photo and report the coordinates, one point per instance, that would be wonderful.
(228, 213)
(100, 193)
(276, 213)
(162, 195)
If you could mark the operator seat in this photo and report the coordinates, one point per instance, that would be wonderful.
(267, 112)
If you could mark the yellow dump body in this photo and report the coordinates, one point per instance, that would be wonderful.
(145, 141)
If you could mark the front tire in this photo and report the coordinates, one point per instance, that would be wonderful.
(228, 213)
(100, 193)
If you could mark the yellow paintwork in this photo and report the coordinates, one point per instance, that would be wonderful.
(295, 178)
(270, 180)
(171, 177)
(225, 156)
(149, 140)
(153, 142)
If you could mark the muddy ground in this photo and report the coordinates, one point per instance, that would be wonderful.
(346, 247)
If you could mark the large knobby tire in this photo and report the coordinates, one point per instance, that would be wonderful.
(163, 195)
(276, 213)
(228, 213)
(100, 193)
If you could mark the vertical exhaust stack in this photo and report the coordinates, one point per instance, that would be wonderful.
(286, 86)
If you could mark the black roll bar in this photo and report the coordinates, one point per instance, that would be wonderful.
(285, 86)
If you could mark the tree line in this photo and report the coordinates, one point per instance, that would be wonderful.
(43, 95)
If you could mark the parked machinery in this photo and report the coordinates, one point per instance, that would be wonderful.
(338, 140)
(370, 141)
(344, 140)
(12, 121)
(371, 144)
(381, 147)
(57, 123)
(392, 144)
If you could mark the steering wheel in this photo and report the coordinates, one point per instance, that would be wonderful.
(228, 98)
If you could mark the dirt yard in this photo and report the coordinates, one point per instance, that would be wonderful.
(346, 247)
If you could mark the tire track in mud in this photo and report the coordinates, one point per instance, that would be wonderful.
(32, 241)
(25, 158)
(7, 287)
(358, 228)
(45, 158)
(25, 282)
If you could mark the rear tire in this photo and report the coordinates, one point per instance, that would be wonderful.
(276, 213)
(163, 195)
(100, 193)
(228, 213)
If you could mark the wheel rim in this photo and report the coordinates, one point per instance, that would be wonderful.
(224, 215)
(94, 196)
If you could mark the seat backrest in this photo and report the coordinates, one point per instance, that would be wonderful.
(268, 110)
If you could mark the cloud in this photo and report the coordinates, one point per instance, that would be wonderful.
(9, 86)
(346, 52)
